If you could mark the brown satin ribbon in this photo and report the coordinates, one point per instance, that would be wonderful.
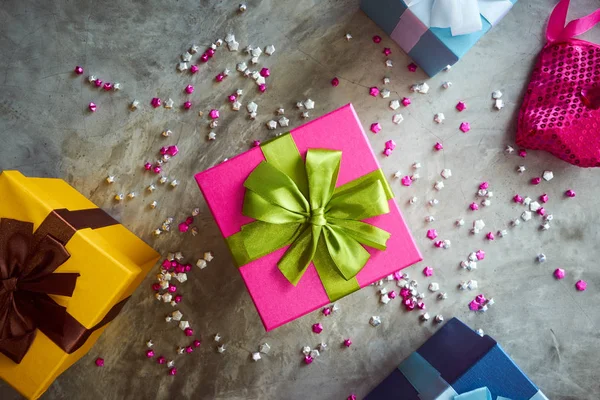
(27, 262)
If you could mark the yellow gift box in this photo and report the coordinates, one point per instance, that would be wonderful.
(110, 260)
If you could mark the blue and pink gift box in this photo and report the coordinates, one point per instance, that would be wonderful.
(457, 364)
(431, 48)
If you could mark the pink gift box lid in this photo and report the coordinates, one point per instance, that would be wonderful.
(276, 299)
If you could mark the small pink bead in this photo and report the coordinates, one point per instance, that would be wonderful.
(428, 271)
(377, 39)
(189, 349)
(308, 359)
(194, 69)
(155, 102)
(522, 153)
(172, 150)
(397, 275)
(409, 304)
(559, 273)
(179, 269)
(431, 234)
(262, 88)
(173, 371)
(149, 353)
(317, 328)
(197, 343)
(347, 342)
(412, 67)
(210, 52)
(570, 193)
(99, 361)
(147, 166)
(544, 198)
(390, 144)
(204, 58)
(536, 180)
(189, 220)
(421, 305)
(188, 332)
(465, 127)
(265, 72)
(461, 106)
(480, 254)
(474, 306)
(232, 98)
(541, 211)
(392, 294)
(474, 206)
(256, 143)
(188, 267)
(156, 287)
(490, 236)
(439, 244)
(98, 82)
(404, 292)
(387, 152)
(189, 89)
(581, 285)
(406, 101)
(187, 105)
(172, 288)
(166, 264)
(438, 146)
(178, 298)
(517, 199)
(326, 311)
(352, 397)
(214, 114)
(107, 86)
(373, 91)
(406, 181)
(157, 169)
(219, 77)
(174, 264)
(78, 70)
(375, 127)
(161, 360)
(335, 81)
(484, 185)
(92, 107)
(387, 51)
(163, 150)
(480, 299)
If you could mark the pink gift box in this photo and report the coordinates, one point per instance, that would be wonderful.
(276, 299)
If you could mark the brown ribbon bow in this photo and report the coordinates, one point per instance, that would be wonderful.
(27, 264)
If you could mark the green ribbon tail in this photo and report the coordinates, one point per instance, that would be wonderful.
(334, 284)
(298, 256)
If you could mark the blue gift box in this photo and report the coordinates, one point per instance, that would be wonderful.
(431, 48)
(457, 361)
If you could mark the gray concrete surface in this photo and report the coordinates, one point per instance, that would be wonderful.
(549, 329)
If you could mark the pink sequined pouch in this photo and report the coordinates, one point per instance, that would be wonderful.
(561, 109)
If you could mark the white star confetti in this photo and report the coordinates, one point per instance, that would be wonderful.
(385, 93)
(117, 86)
(526, 216)
(264, 348)
(394, 104)
(212, 136)
(233, 45)
(439, 185)
(548, 175)
(521, 169)
(283, 121)
(235, 106)
(509, 149)
(221, 348)
(389, 63)
(169, 103)
(256, 356)
(348, 36)
(269, 50)
(422, 88)
(110, 179)
(446, 173)
(439, 118)
(446, 85)
(375, 320)
(305, 115)
(272, 124)
(134, 105)
(499, 104)
(397, 119)
(309, 104)
(241, 67)
(187, 57)
(182, 66)
(252, 107)
(496, 94)
(398, 174)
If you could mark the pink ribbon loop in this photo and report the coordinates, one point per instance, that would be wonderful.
(558, 32)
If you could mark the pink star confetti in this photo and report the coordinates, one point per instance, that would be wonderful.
(517, 198)
(421, 305)
(522, 153)
(377, 39)
(326, 311)
(465, 127)
(461, 106)
(335, 81)
(204, 58)
(406, 101)
(541, 211)
(412, 67)
(387, 51)
(194, 69)
(352, 397)
(219, 77)
(187, 105)
(405, 293)
(438, 146)
(78, 70)
(474, 306)
(428, 271)
(387, 152)
(490, 236)
(474, 206)
(317, 328)
(92, 107)
(392, 294)
(347, 342)
(373, 91)
(570, 193)
(173, 371)
(375, 127)
(559, 273)
(107, 86)
(214, 114)
(544, 198)
(390, 144)
(189, 89)
(308, 359)
(232, 98)
(480, 254)
(409, 304)
(98, 82)
(256, 143)
(536, 180)
(484, 185)
(161, 360)
(581, 285)
(406, 181)
(431, 234)
(99, 361)
(265, 72)
(149, 353)
(262, 88)
(155, 102)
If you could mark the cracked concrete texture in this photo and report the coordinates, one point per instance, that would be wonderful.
(550, 330)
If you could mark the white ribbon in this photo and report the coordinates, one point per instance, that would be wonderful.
(461, 16)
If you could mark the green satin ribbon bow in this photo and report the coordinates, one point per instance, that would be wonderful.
(299, 205)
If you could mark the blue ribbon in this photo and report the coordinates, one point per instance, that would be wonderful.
(431, 386)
